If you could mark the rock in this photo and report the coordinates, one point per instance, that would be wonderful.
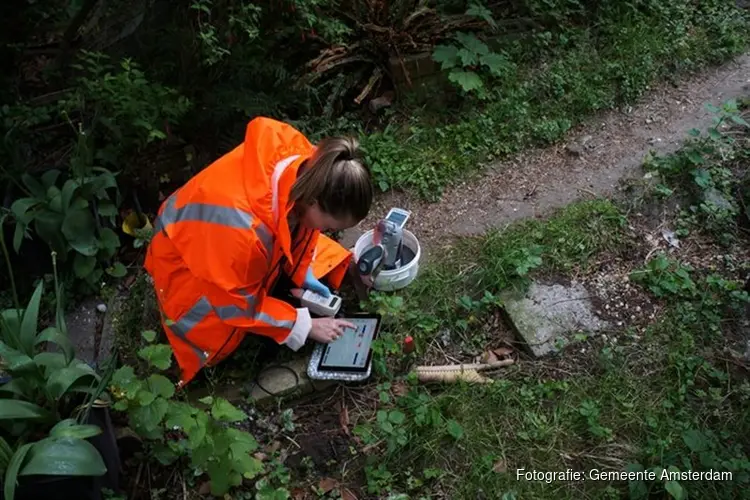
(280, 380)
(546, 314)
(102, 308)
(574, 149)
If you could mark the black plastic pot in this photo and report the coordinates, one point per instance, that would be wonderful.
(78, 487)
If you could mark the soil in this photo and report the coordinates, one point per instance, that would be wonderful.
(596, 156)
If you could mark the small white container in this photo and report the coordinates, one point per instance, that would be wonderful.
(396, 279)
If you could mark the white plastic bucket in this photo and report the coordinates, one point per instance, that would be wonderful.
(395, 279)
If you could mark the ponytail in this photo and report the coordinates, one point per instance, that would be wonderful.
(337, 178)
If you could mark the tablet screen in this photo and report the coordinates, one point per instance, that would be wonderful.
(352, 350)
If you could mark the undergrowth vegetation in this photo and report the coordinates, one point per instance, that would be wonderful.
(107, 108)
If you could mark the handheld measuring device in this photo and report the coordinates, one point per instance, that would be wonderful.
(398, 216)
(323, 306)
(350, 357)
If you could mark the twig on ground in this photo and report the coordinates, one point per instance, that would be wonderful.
(137, 480)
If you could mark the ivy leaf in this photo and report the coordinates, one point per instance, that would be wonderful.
(159, 356)
(447, 55)
(225, 411)
(468, 80)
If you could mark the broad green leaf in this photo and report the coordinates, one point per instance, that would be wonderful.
(468, 80)
(695, 440)
(30, 319)
(160, 385)
(14, 467)
(675, 490)
(68, 192)
(145, 397)
(247, 465)
(19, 386)
(59, 382)
(55, 199)
(49, 178)
(467, 57)
(148, 335)
(455, 429)
(125, 380)
(79, 229)
(51, 361)
(149, 418)
(208, 400)
(21, 209)
(72, 429)
(159, 355)
(446, 55)
(225, 411)
(396, 417)
(63, 456)
(496, 63)
(180, 415)
(107, 209)
(54, 335)
(220, 473)
(48, 226)
(118, 270)
(37, 190)
(15, 361)
(241, 438)
(83, 265)
(109, 239)
(472, 43)
(11, 409)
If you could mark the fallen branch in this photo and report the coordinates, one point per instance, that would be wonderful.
(468, 372)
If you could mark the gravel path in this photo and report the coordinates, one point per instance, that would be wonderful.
(591, 161)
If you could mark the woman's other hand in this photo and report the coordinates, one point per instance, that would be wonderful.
(327, 330)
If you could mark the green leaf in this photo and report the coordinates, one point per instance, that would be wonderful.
(48, 226)
(161, 386)
(468, 80)
(51, 361)
(695, 440)
(55, 199)
(72, 429)
(159, 356)
(59, 382)
(79, 229)
(447, 55)
(15, 361)
(472, 43)
(11, 409)
(64, 456)
(107, 209)
(109, 239)
(180, 415)
(21, 209)
(148, 335)
(18, 386)
(118, 270)
(18, 236)
(37, 190)
(49, 178)
(54, 335)
(30, 320)
(14, 467)
(496, 63)
(208, 400)
(396, 417)
(148, 418)
(455, 429)
(675, 490)
(468, 58)
(145, 397)
(83, 265)
(68, 192)
(224, 411)
(740, 121)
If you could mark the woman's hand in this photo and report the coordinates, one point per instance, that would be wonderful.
(327, 330)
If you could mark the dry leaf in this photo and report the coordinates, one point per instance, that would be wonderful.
(327, 484)
(299, 494)
(205, 488)
(488, 357)
(500, 466)
(344, 419)
(400, 389)
(260, 456)
(503, 351)
(346, 494)
(273, 447)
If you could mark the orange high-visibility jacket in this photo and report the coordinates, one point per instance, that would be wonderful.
(221, 241)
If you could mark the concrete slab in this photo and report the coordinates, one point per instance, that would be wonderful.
(547, 313)
(284, 380)
(83, 329)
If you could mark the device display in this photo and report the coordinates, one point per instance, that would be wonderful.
(398, 216)
(352, 351)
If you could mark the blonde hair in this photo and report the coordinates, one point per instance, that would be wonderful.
(337, 178)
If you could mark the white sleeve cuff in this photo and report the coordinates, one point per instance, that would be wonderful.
(301, 329)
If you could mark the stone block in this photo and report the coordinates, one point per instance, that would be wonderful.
(284, 380)
(546, 313)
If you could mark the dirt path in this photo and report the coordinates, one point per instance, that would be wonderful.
(592, 160)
